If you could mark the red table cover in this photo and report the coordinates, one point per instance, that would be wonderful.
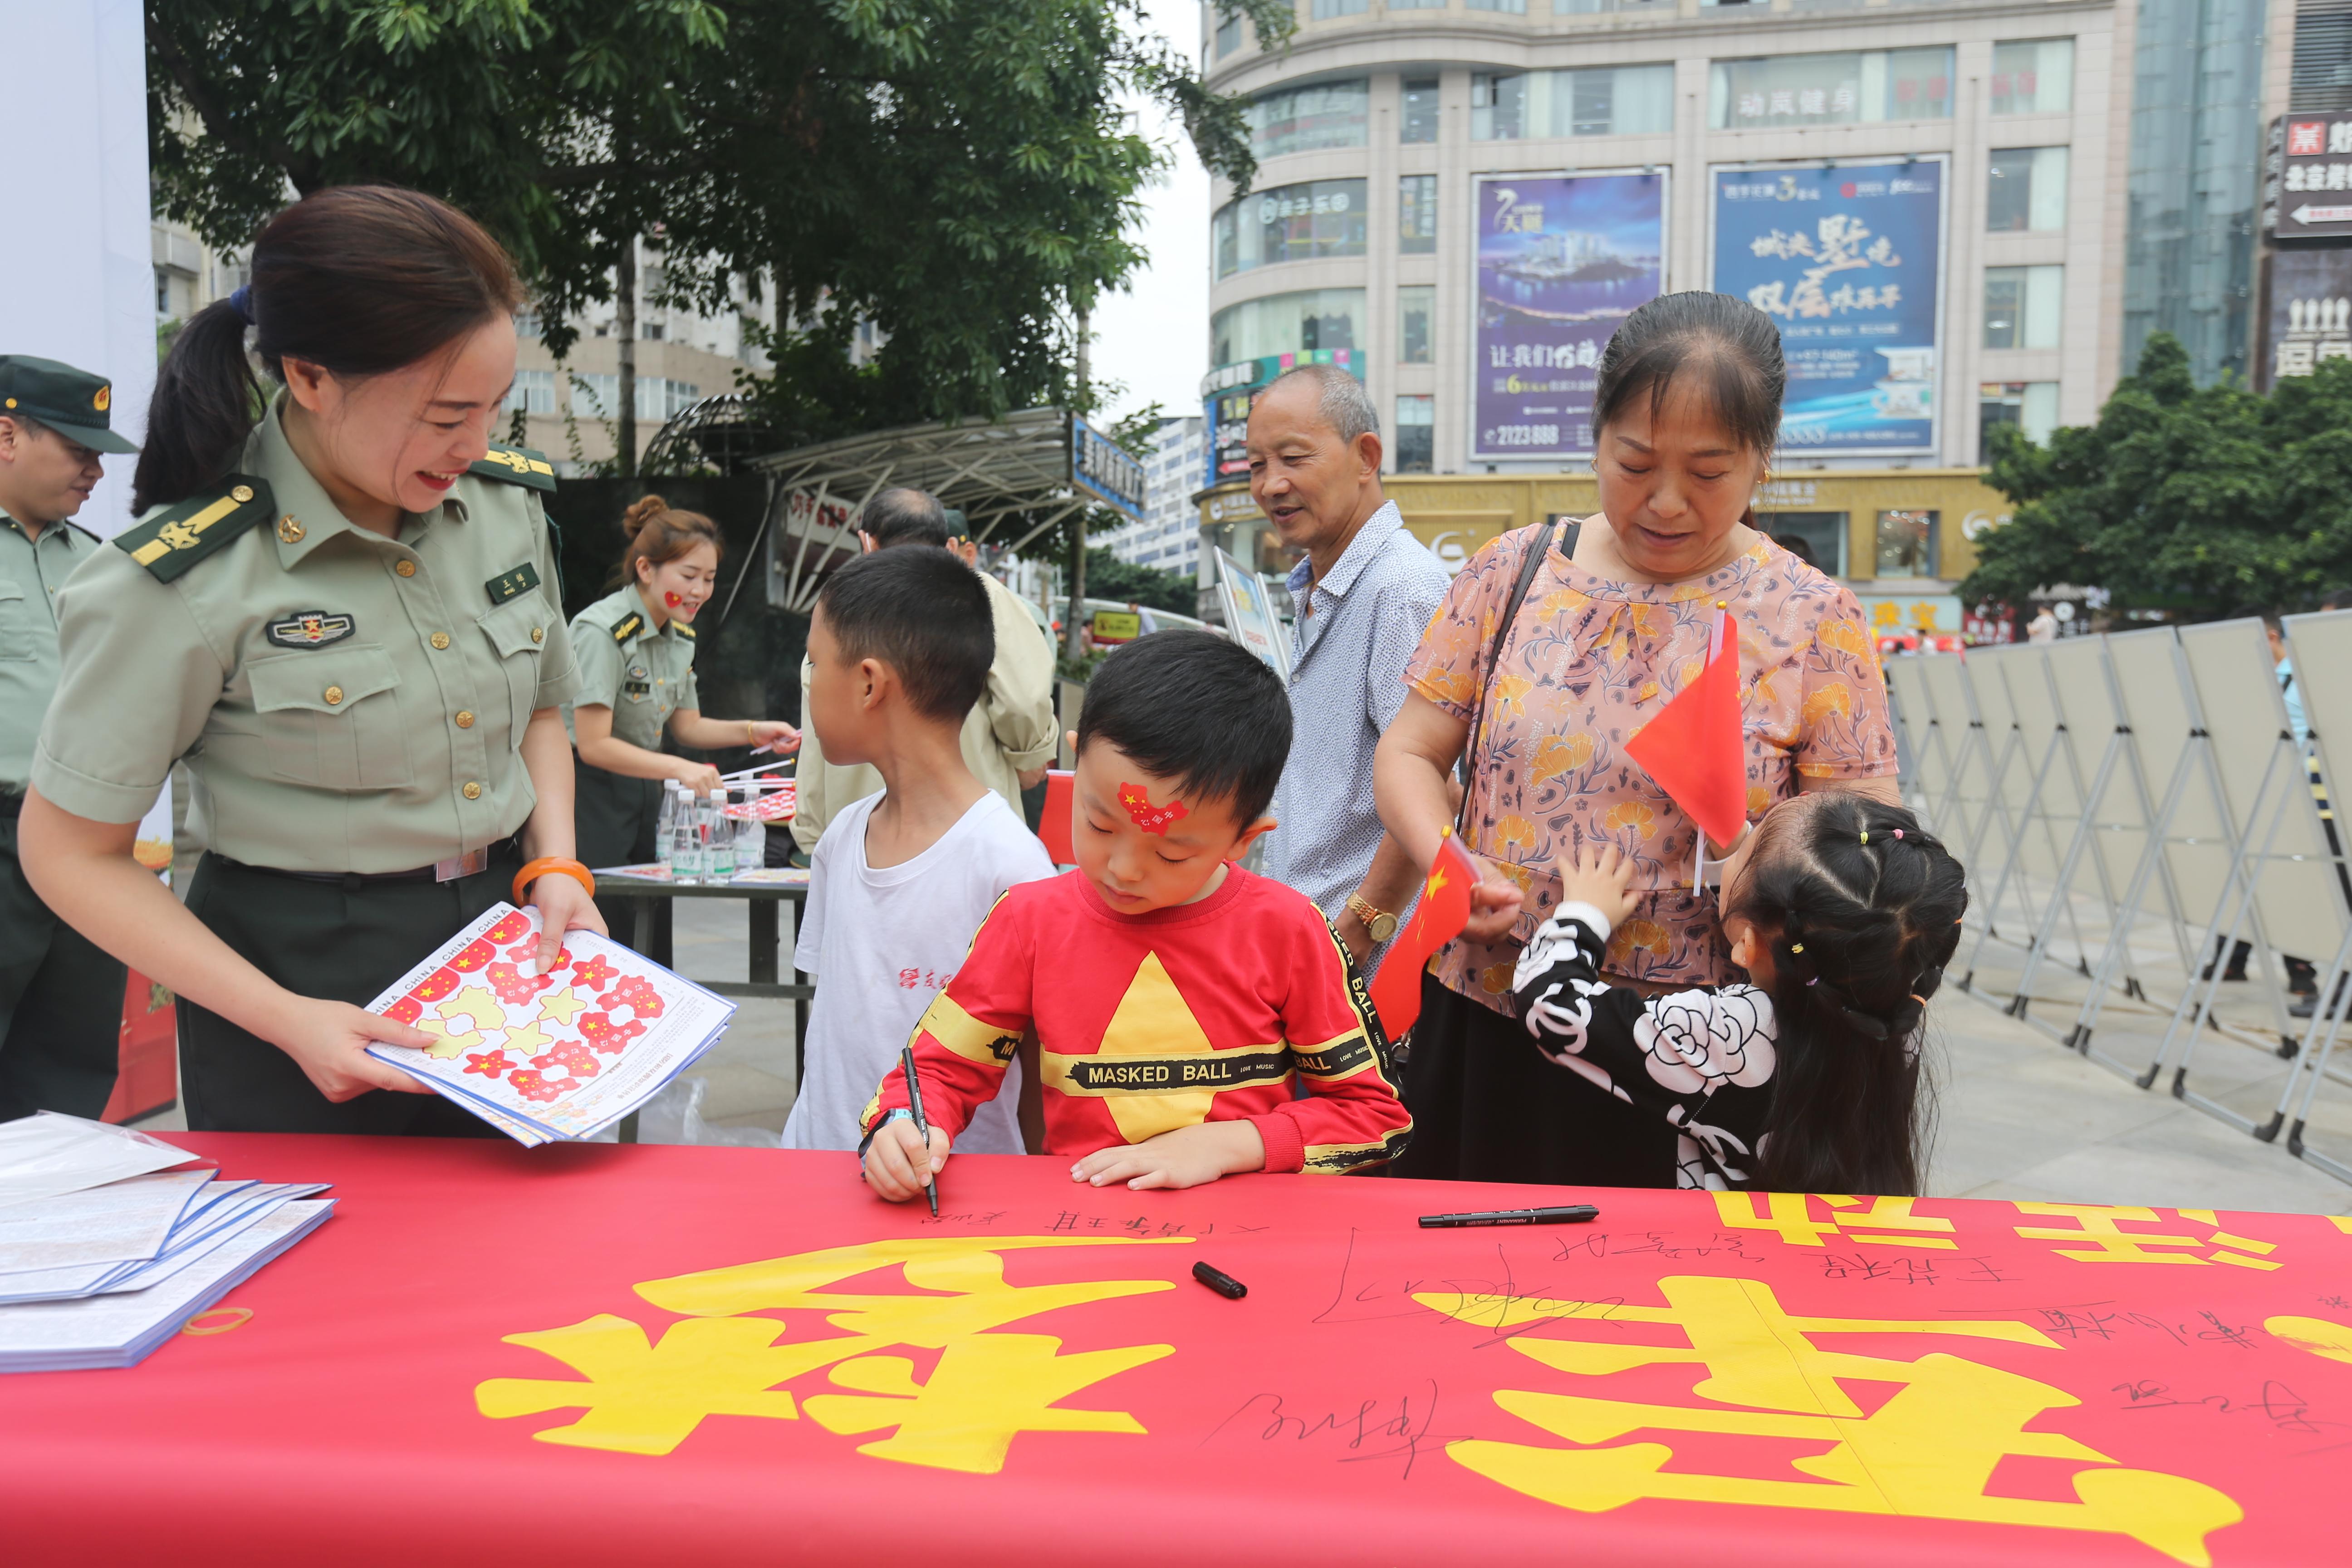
(594, 1354)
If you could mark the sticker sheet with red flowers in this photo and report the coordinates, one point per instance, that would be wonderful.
(550, 1055)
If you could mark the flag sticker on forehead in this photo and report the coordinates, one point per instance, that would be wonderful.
(1149, 817)
(310, 628)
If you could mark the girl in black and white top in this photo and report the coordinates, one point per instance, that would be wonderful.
(1806, 1078)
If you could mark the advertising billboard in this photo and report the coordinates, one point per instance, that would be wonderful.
(1561, 260)
(2308, 176)
(2309, 319)
(1846, 260)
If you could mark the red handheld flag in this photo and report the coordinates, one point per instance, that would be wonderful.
(1053, 822)
(1438, 918)
(1693, 748)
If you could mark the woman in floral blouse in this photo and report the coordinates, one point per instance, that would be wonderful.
(1687, 411)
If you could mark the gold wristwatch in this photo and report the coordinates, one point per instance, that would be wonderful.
(1379, 923)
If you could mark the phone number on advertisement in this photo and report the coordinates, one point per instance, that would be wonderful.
(1520, 436)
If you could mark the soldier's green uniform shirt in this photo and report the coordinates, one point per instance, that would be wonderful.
(346, 702)
(642, 674)
(32, 573)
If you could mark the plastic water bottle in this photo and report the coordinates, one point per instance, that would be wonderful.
(666, 826)
(751, 842)
(722, 839)
(685, 841)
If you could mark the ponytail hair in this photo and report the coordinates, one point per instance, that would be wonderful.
(1862, 909)
(657, 535)
(359, 280)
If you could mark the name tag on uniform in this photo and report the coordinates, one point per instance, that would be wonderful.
(512, 583)
(310, 628)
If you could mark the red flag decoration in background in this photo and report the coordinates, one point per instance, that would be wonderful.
(1693, 748)
(1438, 918)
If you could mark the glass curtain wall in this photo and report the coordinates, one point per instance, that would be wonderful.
(2194, 180)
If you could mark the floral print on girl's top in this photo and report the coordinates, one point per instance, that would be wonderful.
(1589, 663)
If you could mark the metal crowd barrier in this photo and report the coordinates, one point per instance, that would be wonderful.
(2104, 788)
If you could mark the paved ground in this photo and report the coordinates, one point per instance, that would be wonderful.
(2018, 1115)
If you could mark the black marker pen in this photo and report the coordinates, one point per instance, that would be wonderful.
(1573, 1214)
(1222, 1283)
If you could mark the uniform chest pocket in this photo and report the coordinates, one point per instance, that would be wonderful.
(332, 719)
(517, 632)
(16, 621)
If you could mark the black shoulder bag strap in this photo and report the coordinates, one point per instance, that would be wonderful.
(1528, 569)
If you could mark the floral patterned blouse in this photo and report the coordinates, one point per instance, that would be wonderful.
(1588, 663)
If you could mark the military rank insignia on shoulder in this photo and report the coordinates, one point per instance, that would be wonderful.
(179, 536)
(682, 630)
(628, 627)
(517, 465)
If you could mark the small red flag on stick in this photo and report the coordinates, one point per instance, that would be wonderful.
(1438, 918)
(1693, 748)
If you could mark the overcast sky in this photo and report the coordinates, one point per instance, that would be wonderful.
(1155, 338)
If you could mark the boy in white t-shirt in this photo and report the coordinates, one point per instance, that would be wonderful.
(900, 650)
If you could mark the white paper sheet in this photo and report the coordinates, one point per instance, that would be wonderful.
(122, 1222)
(118, 1330)
(46, 1154)
(558, 1056)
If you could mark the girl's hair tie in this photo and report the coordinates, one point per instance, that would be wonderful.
(1898, 832)
(1816, 980)
(1865, 835)
(1796, 947)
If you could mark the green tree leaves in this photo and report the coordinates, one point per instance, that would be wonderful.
(2211, 500)
(959, 172)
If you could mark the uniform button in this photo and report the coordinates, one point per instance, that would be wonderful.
(241, 494)
(406, 568)
(537, 633)
(334, 695)
(464, 719)
(472, 791)
(440, 640)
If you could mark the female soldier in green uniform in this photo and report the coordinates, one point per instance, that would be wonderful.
(636, 653)
(344, 618)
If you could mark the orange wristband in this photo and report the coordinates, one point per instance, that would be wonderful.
(550, 866)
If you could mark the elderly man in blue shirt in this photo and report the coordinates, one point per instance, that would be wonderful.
(1364, 596)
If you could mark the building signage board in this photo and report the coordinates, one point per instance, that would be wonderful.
(2310, 315)
(1847, 261)
(2308, 176)
(1105, 469)
(1561, 261)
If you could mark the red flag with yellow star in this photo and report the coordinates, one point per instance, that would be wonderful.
(1693, 748)
(1438, 918)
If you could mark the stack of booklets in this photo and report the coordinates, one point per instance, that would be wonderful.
(548, 1056)
(106, 1252)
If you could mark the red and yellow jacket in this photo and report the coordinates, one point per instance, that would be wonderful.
(1206, 1012)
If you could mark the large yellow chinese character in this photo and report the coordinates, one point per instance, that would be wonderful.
(2099, 1239)
(643, 1397)
(1929, 1451)
(1789, 1215)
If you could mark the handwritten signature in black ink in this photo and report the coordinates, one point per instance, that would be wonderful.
(1372, 1431)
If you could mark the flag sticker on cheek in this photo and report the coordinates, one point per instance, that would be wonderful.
(1149, 817)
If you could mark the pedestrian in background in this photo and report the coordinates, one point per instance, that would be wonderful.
(61, 995)
(1362, 597)
(1008, 738)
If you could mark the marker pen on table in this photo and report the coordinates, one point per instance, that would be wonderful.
(1572, 1213)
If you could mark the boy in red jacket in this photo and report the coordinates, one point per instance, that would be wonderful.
(1178, 1000)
